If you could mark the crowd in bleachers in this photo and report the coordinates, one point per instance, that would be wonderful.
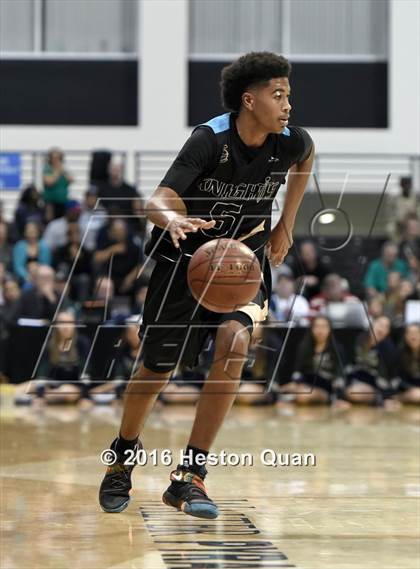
(67, 263)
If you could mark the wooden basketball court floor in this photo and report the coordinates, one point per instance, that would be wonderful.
(357, 508)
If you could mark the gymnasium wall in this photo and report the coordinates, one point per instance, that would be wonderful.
(372, 108)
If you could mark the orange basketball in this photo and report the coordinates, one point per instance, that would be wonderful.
(223, 275)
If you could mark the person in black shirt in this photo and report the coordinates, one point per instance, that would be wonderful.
(60, 376)
(319, 368)
(120, 256)
(372, 377)
(309, 267)
(408, 366)
(222, 184)
(39, 302)
(120, 198)
(77, 260)
(28, 209)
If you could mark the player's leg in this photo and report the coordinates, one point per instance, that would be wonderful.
(64, 393)
(308, 395)
(180, 394)
(362, 388)
(251, 393)
(360, 392)
(187, 491)
(140, 396)
(252, 390)
(221, 386)
(411, 395)
(139, 399)
(163, 336)
(312, 389)
(232, 343)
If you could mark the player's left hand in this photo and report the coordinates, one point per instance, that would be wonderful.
(278, 244)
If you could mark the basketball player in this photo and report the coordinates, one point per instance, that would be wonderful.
(222, 184)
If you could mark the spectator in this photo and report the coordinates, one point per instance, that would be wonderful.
(28, 209)
(256, 386)
(410, 243)
(55, 234)
(122, 199)
(309, 268)
(333, 290)
(39, 302)
(370, 379)
(10, 293)
(100, 308)
(74, 259)
(140, 295)
(91, 219)
(399, 291)
(5, 248)
(375, 306)
(12, 237)
(2, 277)
(126, 255)
(62, 288)
(128, 357)
(56, 184)
(285, 304)
(60, 377)
(319, 368)
(409, 365)
(376, 278)
(410, 246)
(404, 204)
(30, 250)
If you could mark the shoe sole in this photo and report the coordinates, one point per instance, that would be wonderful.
(119, 509)
(196, 510)
(115, 510)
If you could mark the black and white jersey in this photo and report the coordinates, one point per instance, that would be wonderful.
(220, 178)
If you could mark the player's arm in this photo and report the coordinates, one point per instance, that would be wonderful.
(166, 208)
(281, 238)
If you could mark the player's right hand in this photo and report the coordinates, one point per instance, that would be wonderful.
(180, 226)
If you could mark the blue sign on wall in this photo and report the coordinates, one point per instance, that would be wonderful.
(10, 171)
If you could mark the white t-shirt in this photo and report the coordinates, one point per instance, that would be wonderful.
(295, 308)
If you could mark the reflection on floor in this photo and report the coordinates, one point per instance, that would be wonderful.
(356, 508)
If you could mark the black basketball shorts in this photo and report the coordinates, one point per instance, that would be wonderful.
(175, 326)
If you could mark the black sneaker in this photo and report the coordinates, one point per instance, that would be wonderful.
(115, 490)
(187, 493)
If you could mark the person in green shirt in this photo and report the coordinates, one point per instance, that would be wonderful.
(56, 184)
(376, 278)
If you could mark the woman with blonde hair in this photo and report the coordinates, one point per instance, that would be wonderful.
(61, 377)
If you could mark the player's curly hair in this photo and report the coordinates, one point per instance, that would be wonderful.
(249, 70)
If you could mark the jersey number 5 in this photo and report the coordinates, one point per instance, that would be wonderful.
(224, 215)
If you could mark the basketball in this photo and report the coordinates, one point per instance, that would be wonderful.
(223, 275)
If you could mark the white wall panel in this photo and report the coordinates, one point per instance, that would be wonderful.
(90, 26)
(16, 30)
(234, 26)
(339, 27)
(347, 27)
